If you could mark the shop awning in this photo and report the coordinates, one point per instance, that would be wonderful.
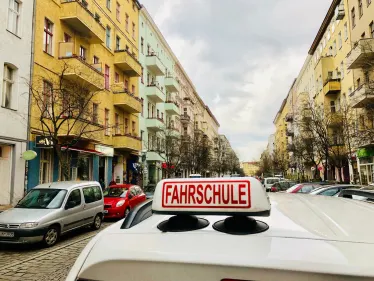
(83, 150)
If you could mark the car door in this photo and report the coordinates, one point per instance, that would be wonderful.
(73, 210)
(93, 203)
(132, 196)
(140, 195)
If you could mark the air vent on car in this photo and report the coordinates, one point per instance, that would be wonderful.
(183, 222)
(240, 225)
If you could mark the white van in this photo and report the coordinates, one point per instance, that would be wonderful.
(268, 182)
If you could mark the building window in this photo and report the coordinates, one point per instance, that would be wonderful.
(148, 110)
(332, 106)
(342, 69)
(142, 76)
(133, 128)
(340, 40)
(13, 16)
(371, 29)
(82, 53)
(45, 166)
(107, 77)
(142, 45)
(334, 48)
(108, 4)
(158, 113)
(142, 101)
(118, 11)
(48, 36)
(133, 30)
(353, 15)
(95, 111)
(126, 84)
(107, 41)
(127, 22)
(8, 86)
(345, 31)
(118, 42)
(133, 89)
(360, 8)
(67, 37)
(126, 126)
(47, 99)
(116, 121)
(106, 122)
(116, 77)
(96, 60)
(368, 2)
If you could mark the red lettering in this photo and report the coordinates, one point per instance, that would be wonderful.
(233, 201)
(168, 193)
(242, 193)
(183, 194)
(225, 191)
(175, 195)
(200, 199)
(216, 193)
(191, 194)
(205, 194)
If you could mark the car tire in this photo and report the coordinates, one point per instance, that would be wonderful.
(127, 212)
(97, 222)
(52, 235)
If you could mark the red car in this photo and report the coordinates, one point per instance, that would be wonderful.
(120, 199)
(303, 188)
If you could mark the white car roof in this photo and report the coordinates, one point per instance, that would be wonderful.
(68, 185)
(314, 234)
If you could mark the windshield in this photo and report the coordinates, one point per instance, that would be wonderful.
(115, 192)
(43, 199)
(271, 181)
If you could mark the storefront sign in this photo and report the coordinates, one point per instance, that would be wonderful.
(29, 155)
(106, 150)
(44, 142)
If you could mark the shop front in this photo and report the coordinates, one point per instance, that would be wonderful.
(366, 165)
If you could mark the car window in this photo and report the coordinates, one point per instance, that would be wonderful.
(132, 191)
(89, 194)
(97, 192)
(330, 192)
(306, 189)
(138, 190)
(75, 198)
(43, 199)
(271, 181)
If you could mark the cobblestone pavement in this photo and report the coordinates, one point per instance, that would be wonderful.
(32, 262)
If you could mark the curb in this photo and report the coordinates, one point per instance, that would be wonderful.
(53, 249)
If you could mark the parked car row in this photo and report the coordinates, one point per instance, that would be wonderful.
(53, 209)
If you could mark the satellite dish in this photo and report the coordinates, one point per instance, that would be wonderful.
(29, 155)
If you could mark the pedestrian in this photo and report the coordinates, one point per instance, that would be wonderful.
(102, 184)
(112, 183)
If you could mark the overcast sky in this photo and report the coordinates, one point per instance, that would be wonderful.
(242, 56)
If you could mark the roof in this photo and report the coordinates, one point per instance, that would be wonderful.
(330, 14)
(211, 115)
(307, 233)
(68, 185)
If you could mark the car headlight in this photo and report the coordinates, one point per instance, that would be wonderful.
(120, 203)
(29, 225)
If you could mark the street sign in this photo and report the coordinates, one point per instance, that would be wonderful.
(44, 142)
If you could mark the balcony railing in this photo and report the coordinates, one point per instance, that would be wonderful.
(171, 84)
(128, 63)
(127, 142)
(154, 92)
(362, 54)
(154, 123)
(78, 70)
(185, 118)
(126, 100)
(172, 107)
(154, 64)
(363, 96)
(76, 14)
(332, 86)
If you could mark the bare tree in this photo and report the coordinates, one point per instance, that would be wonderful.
(63, 111)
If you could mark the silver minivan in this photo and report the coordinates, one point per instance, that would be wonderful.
(268, 182)
(50, 210)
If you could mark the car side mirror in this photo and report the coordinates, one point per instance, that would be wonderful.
(130, 196)
(70, 205)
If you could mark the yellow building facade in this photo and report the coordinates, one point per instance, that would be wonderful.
(250, 168)
(93, 46)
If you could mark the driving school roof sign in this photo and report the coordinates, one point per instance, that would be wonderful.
(211, 196)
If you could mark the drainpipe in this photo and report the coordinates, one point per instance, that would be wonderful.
(30, 81)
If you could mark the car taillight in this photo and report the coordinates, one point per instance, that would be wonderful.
(273, 189)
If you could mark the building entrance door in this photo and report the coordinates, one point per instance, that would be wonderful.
(5, 173)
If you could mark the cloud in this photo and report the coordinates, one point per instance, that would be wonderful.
(242, 56)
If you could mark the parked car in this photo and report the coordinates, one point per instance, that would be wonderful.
(268, 182)
(303, 188)
(334, 190)
(120, 199)
(365, 194)
(50, 210)
(281, 186)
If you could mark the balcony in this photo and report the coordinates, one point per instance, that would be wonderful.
(81, 129)
(155, 65)
(336, 119)
(127, 142)
(289, 132)
(154, 93)
(362, 96)
(361, 55)
(155, 124)
(185, 118)
(126, 100)
(332, 86)
(172, 108)
(78, 70)
(173, 132)
(171, 84)
(289, 117)
(154, 156)
(128, 63)
(78, 17)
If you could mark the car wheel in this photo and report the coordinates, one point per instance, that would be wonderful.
(127, 211)
(51, 236)
(97, 222)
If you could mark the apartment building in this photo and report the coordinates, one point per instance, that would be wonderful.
(92, 44)
(250, 168)
(360, 63)
(16, 33)
(159, 89)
